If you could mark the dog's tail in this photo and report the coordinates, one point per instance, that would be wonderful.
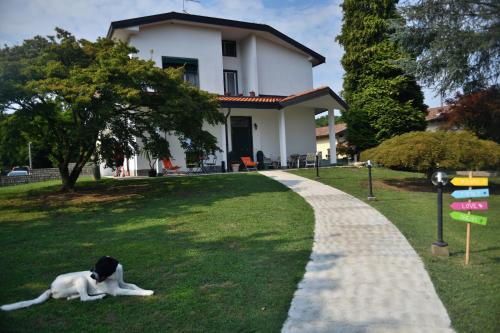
(24, 304)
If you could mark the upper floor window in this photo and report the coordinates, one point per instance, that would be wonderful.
(190, 68)
(229, 48)
(231, 83)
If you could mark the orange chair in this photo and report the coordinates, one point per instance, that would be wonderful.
(168, 166)
(248, 163)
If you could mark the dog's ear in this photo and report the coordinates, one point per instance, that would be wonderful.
(95, 276)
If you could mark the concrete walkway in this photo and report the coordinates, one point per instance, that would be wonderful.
(363, 275)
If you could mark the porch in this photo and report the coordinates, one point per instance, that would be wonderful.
(281, 127)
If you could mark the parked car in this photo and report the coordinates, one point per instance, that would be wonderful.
(19, 171)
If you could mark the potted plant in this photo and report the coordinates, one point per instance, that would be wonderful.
(154, 149)
(235, 164)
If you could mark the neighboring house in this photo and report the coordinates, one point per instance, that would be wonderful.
(436, 117)
(264, 80)
(323, 139)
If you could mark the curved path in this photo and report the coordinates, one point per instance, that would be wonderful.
(363, 275)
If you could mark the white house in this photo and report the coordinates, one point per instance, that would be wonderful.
(264, 80)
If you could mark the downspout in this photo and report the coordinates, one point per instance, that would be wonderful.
(227, 141)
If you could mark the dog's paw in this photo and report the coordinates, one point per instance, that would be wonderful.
(148, 292)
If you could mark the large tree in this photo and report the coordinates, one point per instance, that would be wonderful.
(383, 100)
(85, 99)
(456, 42)
(478, 112)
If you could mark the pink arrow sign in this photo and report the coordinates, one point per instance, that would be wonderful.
(474, 205)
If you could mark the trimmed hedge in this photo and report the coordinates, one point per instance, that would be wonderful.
(426, 151)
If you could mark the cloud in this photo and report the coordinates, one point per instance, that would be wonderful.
(312, 23)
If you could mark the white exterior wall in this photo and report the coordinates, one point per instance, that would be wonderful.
(175, 40)
(282, 71)
(300, 131)
(234, 64)
(265, 137)
(249, 66)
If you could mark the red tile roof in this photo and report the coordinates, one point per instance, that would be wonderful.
(323, 131)
(437, 113)
(302, 93)
(279, 102)
(251, 99)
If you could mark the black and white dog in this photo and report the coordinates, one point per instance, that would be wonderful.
(105, 279)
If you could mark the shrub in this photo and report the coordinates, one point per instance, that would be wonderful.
(426, 151)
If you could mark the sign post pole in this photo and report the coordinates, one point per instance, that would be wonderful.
(467, 241)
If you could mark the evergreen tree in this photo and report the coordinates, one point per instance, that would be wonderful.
(383, 100)
(456, 42)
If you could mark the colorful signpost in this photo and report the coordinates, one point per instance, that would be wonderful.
(468, 218)
(464, 194)
(474, 205)
(457, 181)
(469, 205)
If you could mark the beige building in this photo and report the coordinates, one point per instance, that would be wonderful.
(323, 140)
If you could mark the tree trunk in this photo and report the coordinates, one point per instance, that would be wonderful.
(69, 179)
(67, 182)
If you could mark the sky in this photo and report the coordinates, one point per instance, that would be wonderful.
(314, 23)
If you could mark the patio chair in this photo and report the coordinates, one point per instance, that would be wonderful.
(194, 163)
(248, 163)
(310, 160)
(209, 163)
(268, 163)
(168, 166)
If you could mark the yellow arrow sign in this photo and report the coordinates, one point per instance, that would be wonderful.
(457, 181)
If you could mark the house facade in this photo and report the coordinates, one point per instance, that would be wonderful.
(263, 79)
(323, 139)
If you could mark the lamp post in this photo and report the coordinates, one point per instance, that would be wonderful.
(439, 247)
(370, 194)
(29, 153)
(317, 165)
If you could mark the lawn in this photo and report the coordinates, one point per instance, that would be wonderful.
(223, 253)
(471, 294)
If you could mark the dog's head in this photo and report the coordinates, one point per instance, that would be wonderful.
(104, 268)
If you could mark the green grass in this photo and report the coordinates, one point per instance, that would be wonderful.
(223, 253)
(470, 293)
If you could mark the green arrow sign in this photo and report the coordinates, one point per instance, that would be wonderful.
(468, 218)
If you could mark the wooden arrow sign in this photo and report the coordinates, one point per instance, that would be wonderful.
(479, 193)
(469, 218)
(473, 205)
(457, 181)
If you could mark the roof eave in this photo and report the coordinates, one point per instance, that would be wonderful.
(214, 21)
(316, 94)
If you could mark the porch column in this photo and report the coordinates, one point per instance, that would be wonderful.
(282, 134)
(331, 136)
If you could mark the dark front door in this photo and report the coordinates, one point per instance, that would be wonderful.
(241, 136)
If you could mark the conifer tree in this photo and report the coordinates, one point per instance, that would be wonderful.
(383, 100)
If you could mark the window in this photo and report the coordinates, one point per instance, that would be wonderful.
(190, 68)
(229, 48)
(231, 83)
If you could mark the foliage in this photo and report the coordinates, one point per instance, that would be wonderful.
(83, 98)
(323, 121)
(383, 101)
(456, 42)
(14, 147)
(478, 112)
(426, 151)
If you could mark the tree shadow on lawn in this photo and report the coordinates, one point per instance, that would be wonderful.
(211, 276)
